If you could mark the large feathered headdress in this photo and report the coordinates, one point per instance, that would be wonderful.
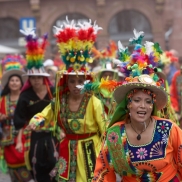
(35, 52)
(75, 42)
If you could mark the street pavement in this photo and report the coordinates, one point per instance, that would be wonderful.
(4, 177)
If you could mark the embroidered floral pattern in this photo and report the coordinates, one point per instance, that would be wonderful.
(113, 137)
(148, 164)
(157, 149)
(8, 129)
(75, 125)
(141, 153)
(163, 127)
(24, 174)
(131, 154)
(165, 138)
(62, 165)
(66, 114)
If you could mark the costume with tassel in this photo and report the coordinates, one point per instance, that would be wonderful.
(82, 128)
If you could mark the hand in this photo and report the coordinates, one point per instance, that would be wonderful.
(3, 117)
(62, 134)
(19, 147)
(31, 127)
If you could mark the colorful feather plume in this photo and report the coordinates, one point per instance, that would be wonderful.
(35, 48)
(138, 37)
(144, 59)
(167, 58)
(107, 55)
(104, 85)
(75, 41)
(10, 62)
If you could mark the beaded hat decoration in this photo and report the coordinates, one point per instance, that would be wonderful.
(35, 52)
(12, 65)
(75, 42)
(140, 69)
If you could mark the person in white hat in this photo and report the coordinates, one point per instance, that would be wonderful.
(79, 115)
(40, 147)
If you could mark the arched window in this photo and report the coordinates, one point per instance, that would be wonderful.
(122, 24)
(9, 28)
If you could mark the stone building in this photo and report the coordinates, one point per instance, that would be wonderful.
(161, 20)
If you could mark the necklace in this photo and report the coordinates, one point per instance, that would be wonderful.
(139, 134)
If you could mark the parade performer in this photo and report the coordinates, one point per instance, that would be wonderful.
(107, 71)
(139, 145)
(79, 116)
(40, 147)
(12, 84)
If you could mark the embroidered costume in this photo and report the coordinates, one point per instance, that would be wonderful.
(81, 145)
(159, 160)
(13, 159)
(83, 128)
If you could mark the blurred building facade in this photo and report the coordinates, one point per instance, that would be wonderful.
(161, 20)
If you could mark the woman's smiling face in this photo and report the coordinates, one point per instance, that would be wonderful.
(140, 107)
(15, 83)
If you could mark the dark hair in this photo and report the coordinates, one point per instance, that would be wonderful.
(6, 89)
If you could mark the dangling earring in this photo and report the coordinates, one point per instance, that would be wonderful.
(150, 106)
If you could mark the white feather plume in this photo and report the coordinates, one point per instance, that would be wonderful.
(116, 61)
(81, 87)
(29, 31)
(121, 47)
(136, 35)
(149, 47)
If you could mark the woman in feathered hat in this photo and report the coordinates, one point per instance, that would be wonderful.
(12, 83)
(78, 115)
(140, 146)
(40, 147)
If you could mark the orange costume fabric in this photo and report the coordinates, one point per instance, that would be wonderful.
(160, 160)
(13, 158)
